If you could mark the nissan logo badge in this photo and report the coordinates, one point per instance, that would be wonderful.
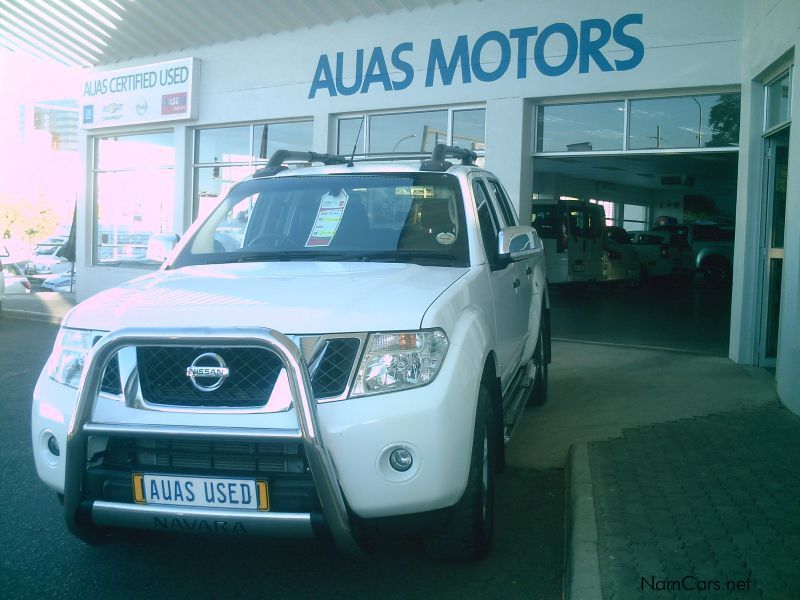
(210, 368)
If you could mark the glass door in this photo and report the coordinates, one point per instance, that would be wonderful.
(776, 169)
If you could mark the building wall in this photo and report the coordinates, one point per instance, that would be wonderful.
(273, 77)
(770, 43)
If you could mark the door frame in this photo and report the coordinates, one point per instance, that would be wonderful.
(771, 142)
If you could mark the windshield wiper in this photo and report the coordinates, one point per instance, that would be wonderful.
(404, 255)
(289, 255)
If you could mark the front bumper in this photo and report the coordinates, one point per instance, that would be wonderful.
(83, 426)
(347, 442)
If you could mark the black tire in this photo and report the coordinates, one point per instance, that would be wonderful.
(538, 395)
(467, 535)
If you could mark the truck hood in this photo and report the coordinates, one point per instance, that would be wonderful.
(291, 297)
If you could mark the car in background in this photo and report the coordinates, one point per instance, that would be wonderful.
(712, 249)
(664, 256)
(623, 260)
(45, 260)
(60, 283)
(15, 280)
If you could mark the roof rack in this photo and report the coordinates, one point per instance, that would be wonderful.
(436, 162)
(275, 163)
(440, 152)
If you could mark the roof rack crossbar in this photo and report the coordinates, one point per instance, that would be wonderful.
(440, 152)
(280, 156)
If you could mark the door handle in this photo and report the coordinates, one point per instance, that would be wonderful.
(517, 283)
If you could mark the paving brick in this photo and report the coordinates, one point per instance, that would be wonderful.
(712, 497)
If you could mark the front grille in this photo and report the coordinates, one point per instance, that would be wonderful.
(204, 457)
(111, 383)
(163, 377)
(331, 377)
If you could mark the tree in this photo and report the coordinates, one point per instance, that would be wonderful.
(723, 119)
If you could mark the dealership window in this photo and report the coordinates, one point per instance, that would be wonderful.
(634, 217)
(778, 101)
(412, 132)
(134, 195)
(225, 155)
(610, 209)
(680, 122)
(705, 121)
(586, 127)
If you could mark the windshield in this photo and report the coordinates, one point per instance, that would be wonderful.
(408, 217)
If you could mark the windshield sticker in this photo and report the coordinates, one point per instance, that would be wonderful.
(445, 238)
(415, 191)
(329, 216)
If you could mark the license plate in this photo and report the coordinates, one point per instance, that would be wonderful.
(577, 268)
(204, 492)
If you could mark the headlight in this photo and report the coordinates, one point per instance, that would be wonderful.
(69, 354)
(398, 361)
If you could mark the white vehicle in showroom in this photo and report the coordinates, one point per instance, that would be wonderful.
(354, 357)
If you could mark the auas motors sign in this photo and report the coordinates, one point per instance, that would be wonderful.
(581, 48)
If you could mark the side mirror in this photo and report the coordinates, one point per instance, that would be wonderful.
(3, 252)
(516, 243)
(160, 245)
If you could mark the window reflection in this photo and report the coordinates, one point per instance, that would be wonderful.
(684, 122)
(223, 144)
(134, 195)
(469, 129)
(778, 100)
(135, 151)
(412, 132)
(580, 127)
(225, 155)
(282, 136)
(351, 135)
(702, 121)
(407, 132)
(211, 184)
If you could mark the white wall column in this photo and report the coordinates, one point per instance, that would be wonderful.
(509, 133)
(787, 372)
(745, 297)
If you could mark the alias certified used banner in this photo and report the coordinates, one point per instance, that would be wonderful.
(145, 94)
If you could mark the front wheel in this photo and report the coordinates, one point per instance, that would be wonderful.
(467, 534)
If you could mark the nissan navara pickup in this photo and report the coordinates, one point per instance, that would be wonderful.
(336, 350)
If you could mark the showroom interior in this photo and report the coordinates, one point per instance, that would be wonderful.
(680, 111)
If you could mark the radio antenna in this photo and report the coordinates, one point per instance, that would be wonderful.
(355, 145)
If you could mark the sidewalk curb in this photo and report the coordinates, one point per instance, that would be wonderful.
(582, 568)
(13, 313)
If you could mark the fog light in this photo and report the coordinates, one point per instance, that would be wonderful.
(401, 459)
(52, 445)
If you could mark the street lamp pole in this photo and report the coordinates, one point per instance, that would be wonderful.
(699, 124)
(403, 139)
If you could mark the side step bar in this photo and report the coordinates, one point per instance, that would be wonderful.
(515, 398)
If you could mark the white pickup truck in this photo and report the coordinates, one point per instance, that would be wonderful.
(335, 350)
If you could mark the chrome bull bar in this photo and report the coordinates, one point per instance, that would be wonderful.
(118, 514)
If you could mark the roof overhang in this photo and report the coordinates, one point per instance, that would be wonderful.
(88, 33)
